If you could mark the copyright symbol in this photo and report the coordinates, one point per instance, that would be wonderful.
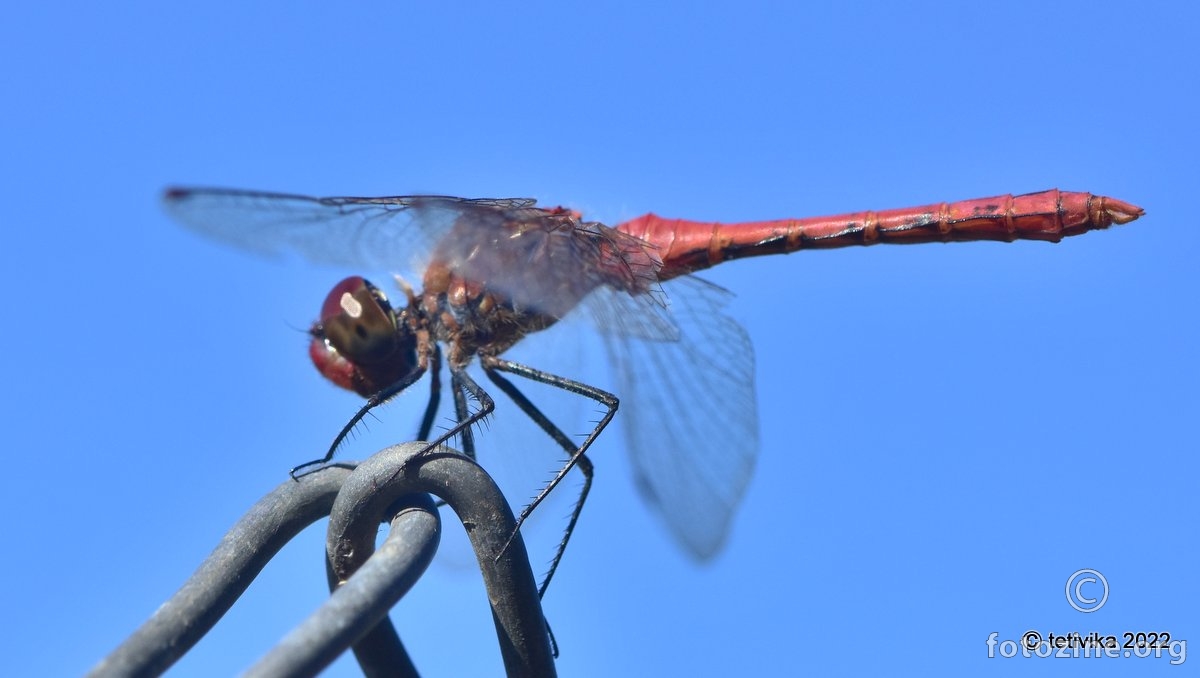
(1032, 640)
(1075, 595)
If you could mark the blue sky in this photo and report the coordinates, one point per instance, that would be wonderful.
(947, 432)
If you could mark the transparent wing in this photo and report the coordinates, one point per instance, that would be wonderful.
(689, 412)
(542, 260)
(383, 234)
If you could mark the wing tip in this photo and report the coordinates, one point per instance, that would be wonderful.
(175, 194)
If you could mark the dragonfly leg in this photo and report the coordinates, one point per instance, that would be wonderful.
(462, 382)
(577, 453)
(372, 402)
(462, 413)
(435, 394)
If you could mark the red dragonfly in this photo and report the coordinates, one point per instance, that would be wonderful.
(496, 270)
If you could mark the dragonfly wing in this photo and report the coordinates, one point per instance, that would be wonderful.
(373, 233)
(690, 415)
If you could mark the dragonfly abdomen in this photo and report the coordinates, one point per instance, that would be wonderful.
(687, 246)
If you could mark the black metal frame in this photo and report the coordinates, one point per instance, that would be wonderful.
(365, 584)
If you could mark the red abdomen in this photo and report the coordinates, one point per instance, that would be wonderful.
(687, 246)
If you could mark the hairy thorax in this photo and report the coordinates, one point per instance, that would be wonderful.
(470, 321)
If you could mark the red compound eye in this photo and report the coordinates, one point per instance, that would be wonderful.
(357, 343)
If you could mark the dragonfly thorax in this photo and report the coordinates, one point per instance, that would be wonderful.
(469, 319)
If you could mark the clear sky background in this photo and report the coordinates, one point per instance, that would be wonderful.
(947, 432)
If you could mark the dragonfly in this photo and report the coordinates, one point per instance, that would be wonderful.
(497, 270)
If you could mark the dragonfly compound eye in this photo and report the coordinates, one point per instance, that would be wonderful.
(358, 322)
(358, 342)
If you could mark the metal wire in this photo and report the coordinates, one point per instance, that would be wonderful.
(391, 486)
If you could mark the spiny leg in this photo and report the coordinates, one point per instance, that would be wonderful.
(462, 413)
(461, 381)
(435, 394)
(582, 461)
(577, 456)
(372, 402)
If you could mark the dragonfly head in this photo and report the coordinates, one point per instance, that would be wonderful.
(359, 342)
